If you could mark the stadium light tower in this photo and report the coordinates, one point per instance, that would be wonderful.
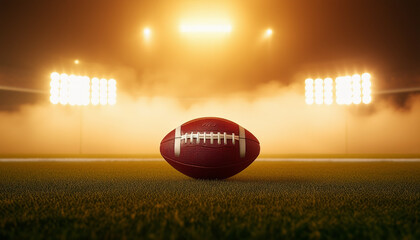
(349, 90)
(81, 91)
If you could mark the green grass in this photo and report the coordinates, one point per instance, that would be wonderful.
(150, 200)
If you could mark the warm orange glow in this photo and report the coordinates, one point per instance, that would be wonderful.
(205, 28)
(76, 61)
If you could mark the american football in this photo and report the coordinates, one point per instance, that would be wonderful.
(210, 148)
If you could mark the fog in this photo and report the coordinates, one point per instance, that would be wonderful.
(276, 114)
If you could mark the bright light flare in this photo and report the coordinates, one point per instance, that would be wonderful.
(76, 61)
(80, 90)
(366, 88)
(147, 32)
(354, 89)
(328, 91)
(319, 91)
(268, 32)
(309, 91)
(343, 86)
(205, 28)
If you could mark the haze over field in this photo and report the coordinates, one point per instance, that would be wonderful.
(278, 116)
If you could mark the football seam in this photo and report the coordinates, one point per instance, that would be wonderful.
(214, 144)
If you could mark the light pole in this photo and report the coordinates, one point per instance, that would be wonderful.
(81, 91)
(349, 90)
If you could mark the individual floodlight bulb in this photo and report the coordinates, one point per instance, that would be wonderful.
(328, 95)
(55, 91)
(72, 77)
(357, 100)
(54, 99)
(55, 76)
(309, 88)
(366, 76)
(309, 81)
(367, 92)
(309, 94)
(95, 81)
(355, 77)
(112, 82)
(366, 84)
(55, 83)
(328, 81)
(85, 80)
(64, 77)
(112, 88)
(103, 82)
(147, 32)
(367, 99)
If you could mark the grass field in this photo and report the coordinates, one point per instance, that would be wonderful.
(150, 200)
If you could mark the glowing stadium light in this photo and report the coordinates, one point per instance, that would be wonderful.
(112, 92)
(354, 89)
(103, 92)
(319, 91)
(309, 91)
(366, 85)
(343, 90)
(95, 91)
(55, 88)
(366, 77)
(205, 28)
(80, 90)
(147, 32)
(328, 91)
(268, 32)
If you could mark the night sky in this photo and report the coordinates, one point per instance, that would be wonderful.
(312, 39)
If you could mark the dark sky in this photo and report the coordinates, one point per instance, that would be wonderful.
(312, 38)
